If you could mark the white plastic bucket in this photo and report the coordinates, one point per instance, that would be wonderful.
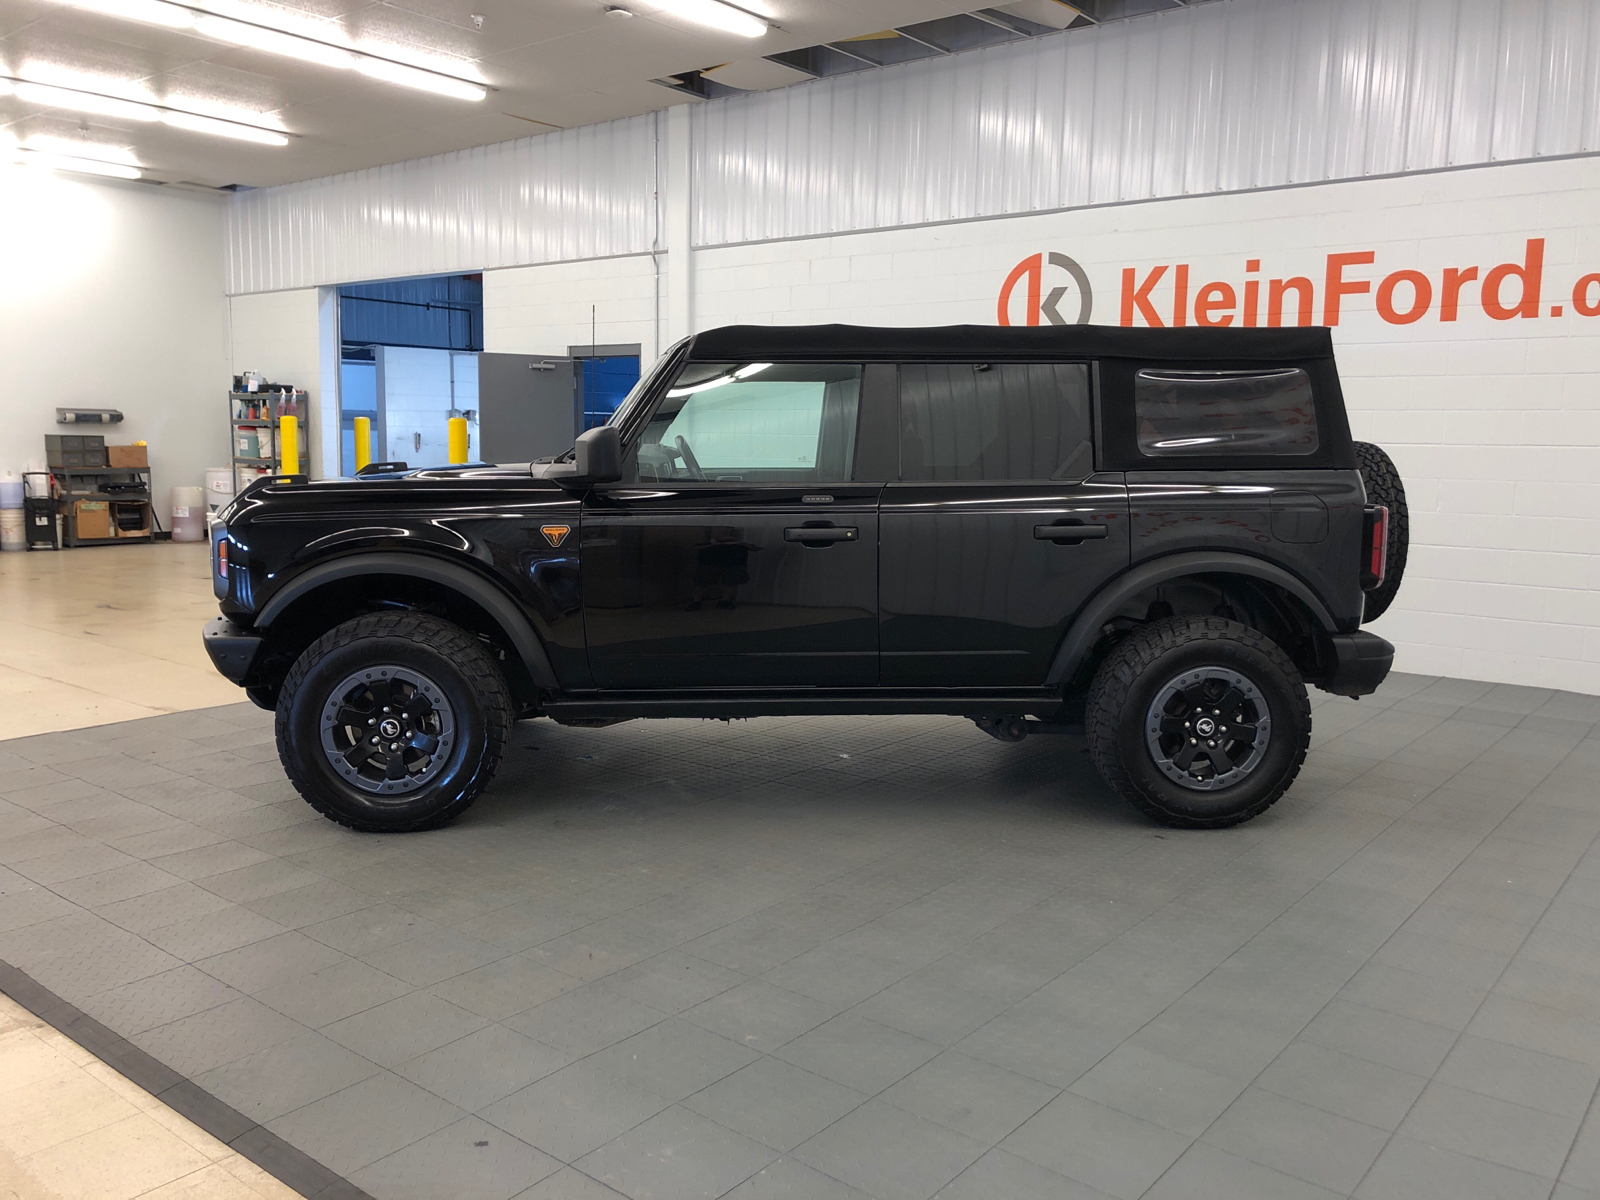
(12, 535)
(188, 514)
(219, 487)
(10, 490)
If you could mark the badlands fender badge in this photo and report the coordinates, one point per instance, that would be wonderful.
(555, 534)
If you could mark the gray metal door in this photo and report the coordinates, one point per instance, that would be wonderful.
(527, 406)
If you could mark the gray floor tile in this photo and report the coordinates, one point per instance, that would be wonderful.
(361, 932)
(774, 1102)
(676, 1155)
(474, 1071)
(586, 1019)
(218, 1035)
(858, 1053)
(1499, 1131)
(504, 988)
(310, 905)
(673, 1059)
(1168, 1091)
(434, 956)
(213, 933)
(786, 1179)
(675, 981)
(286, 1076)
(1385, 1038)
(1208, 1173)
(1296, 1139)
(211, 858)
(1000, 1175)
(1526, 1077)
(365, 1122)
(573, 1111)
(1413, 1170)
(970, 1096)
(470, 1160)
(1090, 1143)
(257, 881)
(399, 1030)
(889, 1152)
(333, 993)
(158, 1000)
(119, 883)
(274, 960)
(759, 1014)
(1341, 1083)
(568, 1184)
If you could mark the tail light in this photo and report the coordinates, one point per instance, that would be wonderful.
(1375, 547)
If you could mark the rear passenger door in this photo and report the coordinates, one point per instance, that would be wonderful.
(998, 528)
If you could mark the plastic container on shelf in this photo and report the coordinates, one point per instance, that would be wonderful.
(13, 533)
(219, 487)
(188, 514)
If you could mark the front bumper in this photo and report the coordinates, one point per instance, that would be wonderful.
(1361, 661)
(233, 650)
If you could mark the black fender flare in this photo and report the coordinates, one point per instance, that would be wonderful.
(1085, 628)
(486, 595)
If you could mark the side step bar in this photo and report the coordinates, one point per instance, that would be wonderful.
(975, 702)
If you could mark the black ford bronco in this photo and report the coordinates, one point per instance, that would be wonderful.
(1152, 538)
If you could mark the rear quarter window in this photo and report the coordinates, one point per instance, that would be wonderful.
(1224, 414)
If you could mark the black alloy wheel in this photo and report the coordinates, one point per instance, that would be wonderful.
(1198, 722)
(393, 722)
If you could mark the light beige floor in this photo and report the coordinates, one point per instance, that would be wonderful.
(71, 1128)
(88, 636)
(104, 633)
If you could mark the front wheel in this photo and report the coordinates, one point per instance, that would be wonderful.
(393, 722)
(1198, 722)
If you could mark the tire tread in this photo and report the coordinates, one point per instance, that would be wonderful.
(1119, 674)
(436, 634)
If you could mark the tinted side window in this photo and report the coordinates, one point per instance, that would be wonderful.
(995, 421)
(1221, 413)
(754, 423)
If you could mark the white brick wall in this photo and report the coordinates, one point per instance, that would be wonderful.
(546, 309)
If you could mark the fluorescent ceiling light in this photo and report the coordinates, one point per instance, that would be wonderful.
(76, 148)
(69, 162)
(318, 43)
(717, 15)
(86, 100)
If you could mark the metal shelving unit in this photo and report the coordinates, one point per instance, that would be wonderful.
(270, 463)
(65, 494)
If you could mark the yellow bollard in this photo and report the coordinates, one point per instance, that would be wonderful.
(363, 442)
(289, 445)
(458, 439)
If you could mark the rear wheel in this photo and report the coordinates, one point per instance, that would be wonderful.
(393, 722)
(1385, 487)
(1198, 722)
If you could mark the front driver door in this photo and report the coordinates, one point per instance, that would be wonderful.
(737, 551)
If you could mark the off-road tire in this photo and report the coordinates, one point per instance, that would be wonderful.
(1384, 486)
(446, 654)
(1128, 682)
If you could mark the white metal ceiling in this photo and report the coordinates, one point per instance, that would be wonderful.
(1226, 96)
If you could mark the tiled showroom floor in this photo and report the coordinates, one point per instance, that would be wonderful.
(833, 957)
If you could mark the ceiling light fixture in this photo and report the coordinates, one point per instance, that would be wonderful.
(321, 45)
(727, 17)
(30, 157)
(76, 99)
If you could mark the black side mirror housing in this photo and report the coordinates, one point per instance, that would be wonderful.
(597, 456)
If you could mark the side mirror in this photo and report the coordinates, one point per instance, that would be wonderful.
(597, 456)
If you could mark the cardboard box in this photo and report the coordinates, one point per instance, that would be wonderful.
(91, 519)
(130, 518)
(128, 456)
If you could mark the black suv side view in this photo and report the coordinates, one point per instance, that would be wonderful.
(1152, 538)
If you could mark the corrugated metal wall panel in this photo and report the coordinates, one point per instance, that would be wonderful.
(580, 193)
(1215, 97)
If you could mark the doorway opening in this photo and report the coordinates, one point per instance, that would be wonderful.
(408, 362)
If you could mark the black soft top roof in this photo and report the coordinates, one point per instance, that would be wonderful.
(865, 343)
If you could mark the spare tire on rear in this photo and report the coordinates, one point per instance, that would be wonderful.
(1384, 487)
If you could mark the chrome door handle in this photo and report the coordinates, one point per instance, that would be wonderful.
(821, 535)
(1068, 535)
